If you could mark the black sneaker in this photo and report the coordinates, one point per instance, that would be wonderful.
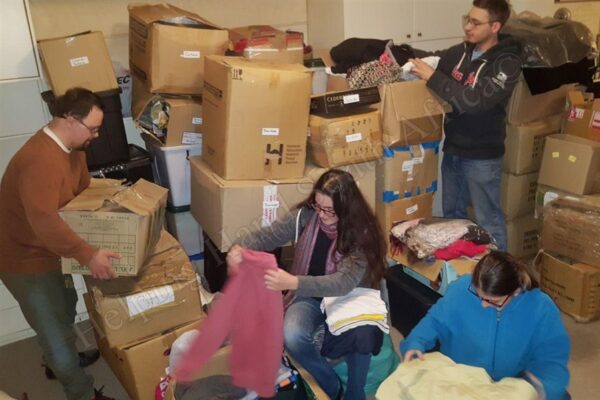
(86, 358)
(98, 395)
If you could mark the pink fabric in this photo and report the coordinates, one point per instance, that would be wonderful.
(458, 249)
(252, 316)
(305, 247)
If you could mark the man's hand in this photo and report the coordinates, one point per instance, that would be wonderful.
(421, 69)
(234, 258)
(101, 265)
(278, 279)
(412, 354)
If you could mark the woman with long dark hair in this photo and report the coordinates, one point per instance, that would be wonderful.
(499, 320)
(339, 247)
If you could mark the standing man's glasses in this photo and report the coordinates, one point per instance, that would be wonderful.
(93, 131)
(467, 20)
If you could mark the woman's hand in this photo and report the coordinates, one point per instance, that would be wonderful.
(412, 354)
(278, 279)
(234, 258)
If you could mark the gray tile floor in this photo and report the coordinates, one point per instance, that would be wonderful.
(21, 371)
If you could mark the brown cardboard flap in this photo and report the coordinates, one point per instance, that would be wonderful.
(167, 13)
(141, 198)
(409, 100)
(264, 66)
(93, 198)
(431, 270)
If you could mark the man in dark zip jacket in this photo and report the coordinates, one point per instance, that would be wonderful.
(477, 78)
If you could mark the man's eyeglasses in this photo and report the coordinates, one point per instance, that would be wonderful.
(93, 131)
(467, 20)
(488, 301)
(325, 210)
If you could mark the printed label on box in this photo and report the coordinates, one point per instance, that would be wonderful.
(407, 166)
(79, 61)
(595, 121)
(355, 137)
(270, 205)
(191, 138)
(197, 121)
(144, 301)
(351, 98)
(270, 131)
(190, 54)
(412, 209)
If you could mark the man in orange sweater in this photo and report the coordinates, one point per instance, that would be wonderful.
(44, 175)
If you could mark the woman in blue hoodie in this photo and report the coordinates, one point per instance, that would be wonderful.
(500, 320)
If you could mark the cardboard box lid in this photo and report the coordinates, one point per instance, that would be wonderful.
(168, 264)
(267, 36)
(141, 198)
(575, 98)
(169, 14)
(431, 270)
(244, 63)
(411, 99)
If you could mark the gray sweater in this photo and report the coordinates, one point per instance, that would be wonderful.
(351, 270)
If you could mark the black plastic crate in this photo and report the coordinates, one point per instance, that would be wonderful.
(409, 299)
(138, 166)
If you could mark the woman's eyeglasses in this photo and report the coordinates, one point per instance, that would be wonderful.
(488, 301)
(328, 211)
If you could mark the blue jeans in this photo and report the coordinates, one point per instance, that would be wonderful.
(303, 329)
(48, 301)
(479, 181)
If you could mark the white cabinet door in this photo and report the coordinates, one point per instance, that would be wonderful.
(379, 19)
(21, 108)
(439, 19)
(8, 147)
(17, 58)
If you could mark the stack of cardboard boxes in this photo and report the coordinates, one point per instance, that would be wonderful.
(138, 315)
(167, 49)
(569, 203)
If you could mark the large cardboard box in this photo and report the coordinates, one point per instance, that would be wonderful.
(572, 164)
(164, 294)
(524, 107)
(525, 144)
(229, 209)
(572, 228)
(140, 366)
(77, 60)
(127, 220)
(402, 210)
(334, 142)
(517, 195)
(407, 171)
(583, 117)
(180, 124)
(523, 236)
(574, 286)
(168, 45)
(545, 194)
(263, 42)
(410, 113)
(255, 118)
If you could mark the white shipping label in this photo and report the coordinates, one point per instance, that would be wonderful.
(351, 98)
(407, 166)
(270, 131)
(270, 205)
(191, 138)
(355, 137)
(144, 301)
(197, 121)
(579, 113)
(412, 209)
(79, 61)
(418, 160)
(190, 54)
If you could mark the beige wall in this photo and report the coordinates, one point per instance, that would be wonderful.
(53, 18)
